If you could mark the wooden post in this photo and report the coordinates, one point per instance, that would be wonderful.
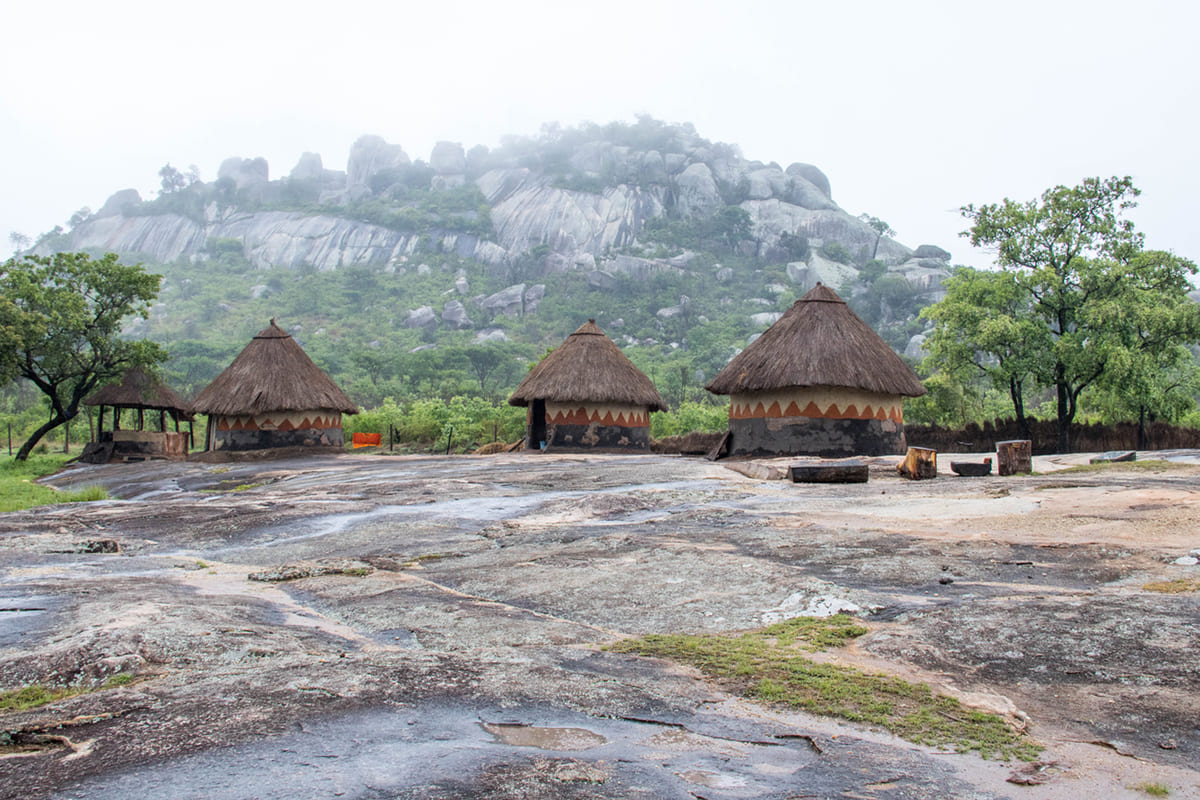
(1014, 456)
(920, 463)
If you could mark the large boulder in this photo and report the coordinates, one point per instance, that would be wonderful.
(308, 168)
(696, 193)
(765, 319)
(448, 158)
(491, 335)
(454, 315)
(819, 270)
(813, 175)
(931, 251)
(422, 317)
(598, 279)
(509, 301)
(533, 297)
(114, 205)
(245, 172)
(369, 156)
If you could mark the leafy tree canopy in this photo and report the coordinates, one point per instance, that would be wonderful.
(62, 317)
(1078, 302)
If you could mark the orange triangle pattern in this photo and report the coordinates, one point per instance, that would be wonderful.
(585, 416)
(287, 423)
(745, 410)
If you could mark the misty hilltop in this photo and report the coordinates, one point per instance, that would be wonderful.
(680, 247)
(585, 193)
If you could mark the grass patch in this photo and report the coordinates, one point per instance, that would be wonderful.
(18, 490)
(36, 694)
(1177, 586)
(1151, 465)
(766, 665)
(1154, 789)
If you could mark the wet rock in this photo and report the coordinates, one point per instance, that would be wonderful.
(423, 317)
(1186, 561)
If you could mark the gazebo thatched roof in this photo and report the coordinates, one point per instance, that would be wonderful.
(272, 373)
(819, 341)
(140, 389)
(588, 367)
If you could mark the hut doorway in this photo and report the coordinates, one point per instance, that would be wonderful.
(537, 424)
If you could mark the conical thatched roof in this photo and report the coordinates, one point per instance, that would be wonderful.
(819, 341)
(588, 366)
(139, 389)
(272, 373)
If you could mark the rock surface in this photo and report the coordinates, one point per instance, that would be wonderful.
(443, 632)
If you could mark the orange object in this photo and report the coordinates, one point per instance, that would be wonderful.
(368, 439)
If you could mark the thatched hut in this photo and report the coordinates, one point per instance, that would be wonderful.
(273, 395)
(139, 391)
(586, 395)
(818, 382)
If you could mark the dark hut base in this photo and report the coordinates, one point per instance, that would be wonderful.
(809, 436)
(261, 440)
(595, 437)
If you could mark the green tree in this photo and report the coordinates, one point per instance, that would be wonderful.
(172, 180)
(70, 309)
(1081, 268)
(881, 229)
(1149, 372)
(985, 325)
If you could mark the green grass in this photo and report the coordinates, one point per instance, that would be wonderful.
(1151, 465)
(766, 665)
(36, 694)
(1154, 789)
(1177, 586)
(18, 490)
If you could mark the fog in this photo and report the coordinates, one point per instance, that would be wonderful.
(912, 109)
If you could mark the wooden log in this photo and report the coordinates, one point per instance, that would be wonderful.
(852, 471)
(972, 469)
(1115, 456)
(1014, 456)
(920, 463)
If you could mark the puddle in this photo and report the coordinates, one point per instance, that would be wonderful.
(713, 780)
(519, 735)
(24, 615)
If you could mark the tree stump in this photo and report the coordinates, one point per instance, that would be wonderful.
(919, 464)
(1014, 456)
(837, 472)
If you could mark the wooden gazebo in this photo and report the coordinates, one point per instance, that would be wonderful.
(142, 392)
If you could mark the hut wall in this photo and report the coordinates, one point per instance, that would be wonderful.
(603, 426)
(825, 421)
(317, 428)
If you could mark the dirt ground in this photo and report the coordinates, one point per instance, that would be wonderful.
(442, 634)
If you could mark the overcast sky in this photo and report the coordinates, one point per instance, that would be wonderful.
(912, 109)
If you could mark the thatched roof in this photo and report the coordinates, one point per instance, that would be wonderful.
(272, 373)
(588, 366)
(819, 341)
(139, 389)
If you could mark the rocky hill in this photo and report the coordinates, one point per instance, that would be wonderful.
(535, 196)
(706, 233)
